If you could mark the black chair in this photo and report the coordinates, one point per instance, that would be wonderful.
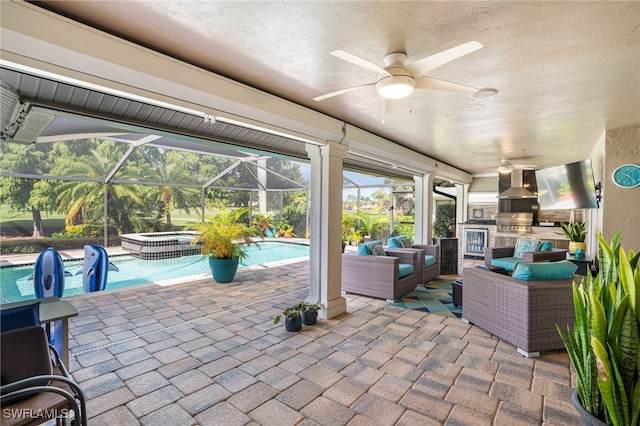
(36, 387)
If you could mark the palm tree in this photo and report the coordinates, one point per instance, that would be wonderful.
(175, 167)
(83, 200)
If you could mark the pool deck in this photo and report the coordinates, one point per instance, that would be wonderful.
(209, 354)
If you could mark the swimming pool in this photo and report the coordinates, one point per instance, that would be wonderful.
(15, 284)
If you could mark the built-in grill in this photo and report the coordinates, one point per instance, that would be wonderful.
(515, 222)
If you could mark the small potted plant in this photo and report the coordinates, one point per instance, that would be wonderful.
(604, 343)
(355, 238)
(576, 232)
(451, 230)
(224, 238)
(287, 232)
(292, 318)
(310, 313)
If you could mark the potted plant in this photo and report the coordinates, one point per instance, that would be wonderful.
(224, 238)
(310, 312)
(576, 232)
(451, 229)
(263, 222)
(355, 238)
(603, 344)
(287, 231)
(292, 318)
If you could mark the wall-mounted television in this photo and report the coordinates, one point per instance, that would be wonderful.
(570, 186)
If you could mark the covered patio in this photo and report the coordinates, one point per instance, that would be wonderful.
(207, 353)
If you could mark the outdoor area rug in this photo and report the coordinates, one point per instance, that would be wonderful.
(434, 297)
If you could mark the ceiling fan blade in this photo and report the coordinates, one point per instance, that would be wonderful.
(437, 84)
(423, 66)
(341, 91)
(359, 61)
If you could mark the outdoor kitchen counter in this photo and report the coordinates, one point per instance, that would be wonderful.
(509, 238)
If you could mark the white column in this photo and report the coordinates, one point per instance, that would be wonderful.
(462, 202)
(325, 251)
(423, 193)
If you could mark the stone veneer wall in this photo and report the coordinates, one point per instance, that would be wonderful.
(620, 206)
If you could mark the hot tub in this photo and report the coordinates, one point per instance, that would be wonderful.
(160, 245)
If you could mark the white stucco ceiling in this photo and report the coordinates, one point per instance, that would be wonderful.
(564, 71)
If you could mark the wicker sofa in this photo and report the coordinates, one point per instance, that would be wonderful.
(379, 276)
(507, 257)
(523, 313)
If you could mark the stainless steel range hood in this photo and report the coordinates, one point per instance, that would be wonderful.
(516, 190)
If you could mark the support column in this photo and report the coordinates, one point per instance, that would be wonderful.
(423, 192)
(462, 201)
(325, 251)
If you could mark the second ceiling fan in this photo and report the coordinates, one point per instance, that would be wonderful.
(398, 79)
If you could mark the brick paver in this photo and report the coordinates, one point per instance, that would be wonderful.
(206, 353)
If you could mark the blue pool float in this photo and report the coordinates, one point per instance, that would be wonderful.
(48, 280)
(95, 268)
(48, 274)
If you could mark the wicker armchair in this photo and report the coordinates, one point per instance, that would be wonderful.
(378, 276)
(523, 313)
(427, 273)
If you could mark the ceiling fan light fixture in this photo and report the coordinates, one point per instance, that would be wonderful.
(396, 87)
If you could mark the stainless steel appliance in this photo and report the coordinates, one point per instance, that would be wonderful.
(515, 222)
(475, 240)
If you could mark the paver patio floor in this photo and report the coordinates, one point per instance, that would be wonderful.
(209, 354)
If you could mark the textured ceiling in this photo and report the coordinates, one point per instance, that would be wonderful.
(564, 71)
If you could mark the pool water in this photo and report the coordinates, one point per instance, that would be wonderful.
(15, 284)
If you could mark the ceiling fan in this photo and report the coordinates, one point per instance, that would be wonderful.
(507, 166)
(398, 79)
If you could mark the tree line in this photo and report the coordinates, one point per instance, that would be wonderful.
(142, 186)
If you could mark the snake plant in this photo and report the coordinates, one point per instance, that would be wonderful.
(574, 231)
(603, 344)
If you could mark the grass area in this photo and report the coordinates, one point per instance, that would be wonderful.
(19, 224)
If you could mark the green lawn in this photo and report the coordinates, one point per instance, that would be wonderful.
(19, 224)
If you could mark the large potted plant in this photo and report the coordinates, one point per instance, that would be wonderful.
(603, 344)
(576, 232)
(224, 238)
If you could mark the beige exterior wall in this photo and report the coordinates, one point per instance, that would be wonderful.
(621, 207)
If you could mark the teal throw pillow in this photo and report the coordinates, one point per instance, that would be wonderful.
(365, 248)
(395, 242)
(523, 246)
(546, 245)
(537, 271)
